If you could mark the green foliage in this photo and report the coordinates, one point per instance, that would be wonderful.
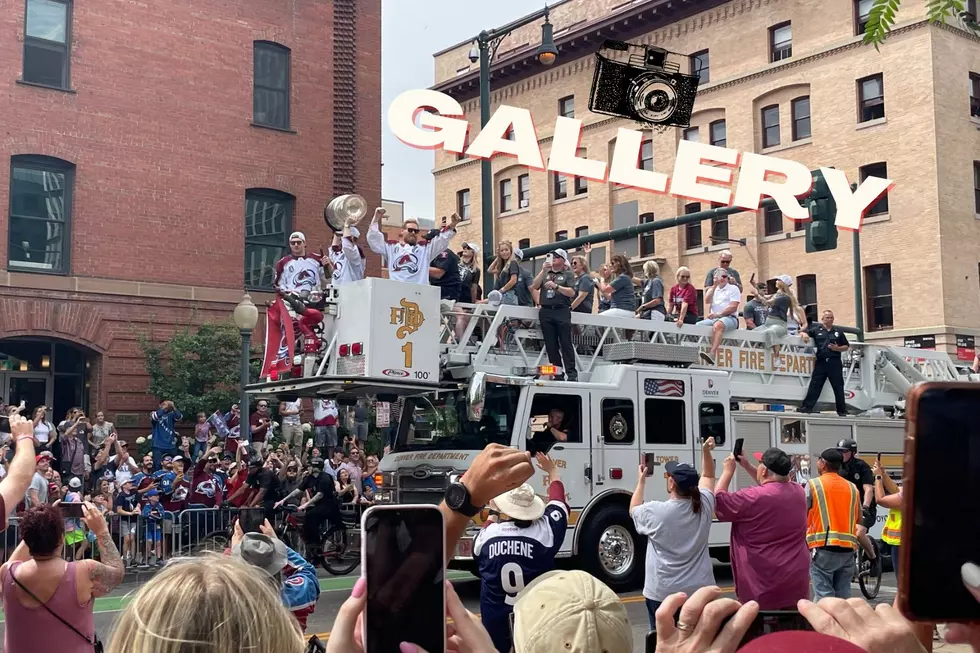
(882, 17)
(199, 370)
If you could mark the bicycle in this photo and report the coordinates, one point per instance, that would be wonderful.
(341, 551)
(868, 571)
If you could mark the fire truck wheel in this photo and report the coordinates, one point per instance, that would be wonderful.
(611, 550)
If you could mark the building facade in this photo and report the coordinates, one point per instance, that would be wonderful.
(156, 159)
(778, 77)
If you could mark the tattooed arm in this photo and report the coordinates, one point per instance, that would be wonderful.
(100, 578)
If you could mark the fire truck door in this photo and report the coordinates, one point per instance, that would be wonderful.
(665, 428)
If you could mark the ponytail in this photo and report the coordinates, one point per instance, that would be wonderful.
(694, 494)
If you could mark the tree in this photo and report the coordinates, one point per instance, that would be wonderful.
(199, 370)
(882, 17)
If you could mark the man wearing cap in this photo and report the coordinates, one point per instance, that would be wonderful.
(770, 560)
(834, 511)
(37, 491)
(859, 473)
(556, 285)
(827, 366)
(322, 506)
(409, 259)
(290, 574)
(299, 280)
(265, 483)
(518, 543)
(346, 257)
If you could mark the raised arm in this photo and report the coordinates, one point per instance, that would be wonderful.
(707, 466)
(440, 243)
(104, 575)
(376, 239)
(14, 485)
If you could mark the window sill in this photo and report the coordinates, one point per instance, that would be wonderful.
(700, 249)
(259, 125)
(71, 91)
(871, 123)
(871, 219)
(510, 214)
(786, 146)
(464, 222)
(566, 200)
(14, 268)
(786, 235)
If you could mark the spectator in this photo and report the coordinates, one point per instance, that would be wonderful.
(683, 299)
(362, 416)
(584, 286)
(76, 423)
(292, 426)
(164, 439)
(233, 417)
(469, 274)
(145, 479)
(506, 273)
(526, 295)
(602, 276)
(347, 490)
(153, 523)
(355, 465)
(557, 288)
(74, 534)
(210, 602)
(409, 259)
(346, 257)
(44, 431)
(889, 495)
(334, 463)
(755, 311)
(780, 305)
(619, 291)
(723, 299)
(770, 560)
(830, 343)
(367, 495)
(325, 416)
(834, 512)
(653, 307)
(101, 430)
(122, 463)
(66, 624)
(73, 451)
(677, 529)
(37, 492)
(289, 482)
(370, 469)
(21, 473)
(202, 433)
(260, 423)
(127, 506)
(264, 482)
(444, 271)
(724, 263)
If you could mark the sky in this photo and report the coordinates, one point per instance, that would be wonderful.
(411, 32)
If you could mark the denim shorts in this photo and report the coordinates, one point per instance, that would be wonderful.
(730, 322)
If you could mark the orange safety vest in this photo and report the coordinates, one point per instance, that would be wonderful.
(836, 512)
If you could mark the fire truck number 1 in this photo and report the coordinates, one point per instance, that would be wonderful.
(407, 350)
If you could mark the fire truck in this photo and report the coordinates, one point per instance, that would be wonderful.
(468, 375)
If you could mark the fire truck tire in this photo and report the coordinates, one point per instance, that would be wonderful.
(611, 550)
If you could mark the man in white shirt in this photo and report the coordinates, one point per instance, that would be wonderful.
(409, 260)
(292, 428)
(723, 299)
(299, 281)
(346, 257)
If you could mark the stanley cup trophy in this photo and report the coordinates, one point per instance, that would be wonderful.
(344, 211)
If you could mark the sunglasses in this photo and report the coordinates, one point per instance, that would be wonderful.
(412, 231)
(296, 242)
(724, 276)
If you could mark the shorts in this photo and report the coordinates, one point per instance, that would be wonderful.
(326, 436)
(74, 537)
(730, 322)
(153, 533)
(127, 528)
(360, 431)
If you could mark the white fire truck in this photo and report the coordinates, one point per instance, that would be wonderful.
(470, 375)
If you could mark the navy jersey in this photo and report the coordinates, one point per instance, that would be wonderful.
(510, 557)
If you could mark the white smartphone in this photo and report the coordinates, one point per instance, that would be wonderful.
(403, 555)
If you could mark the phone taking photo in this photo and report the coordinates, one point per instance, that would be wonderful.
(250, 519)
(942, 467)
(737, 449)
(403, 554)
(649, 461)
(71, 509)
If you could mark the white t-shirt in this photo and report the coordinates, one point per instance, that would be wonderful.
(408, 263)
(292, 420)
(723, 296)
(42, 432)
(124, 470)
(348, 263)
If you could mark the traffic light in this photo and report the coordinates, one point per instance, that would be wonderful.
(821, 230)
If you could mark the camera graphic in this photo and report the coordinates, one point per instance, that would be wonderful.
(642, 85)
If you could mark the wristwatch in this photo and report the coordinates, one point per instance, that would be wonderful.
(877, 478)
(458, 499)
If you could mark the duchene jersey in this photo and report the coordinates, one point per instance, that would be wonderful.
(408, 263)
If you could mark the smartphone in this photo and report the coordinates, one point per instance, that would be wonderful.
(250, 519)
(737, 449)
(649, 461)
(774, 621)
(942, 463)
(403, 554)
(71, 510)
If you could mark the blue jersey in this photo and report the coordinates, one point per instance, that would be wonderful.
(509, 558)
(300, 587)
(165, 481)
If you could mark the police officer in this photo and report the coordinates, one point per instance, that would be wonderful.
(859, 473)
(556, 284)
(829, 343)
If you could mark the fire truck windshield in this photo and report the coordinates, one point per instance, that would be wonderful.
(441, 420)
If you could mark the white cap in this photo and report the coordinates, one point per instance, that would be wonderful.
(570, 612)
(562, 253)
(75, 483)
(519, 254)
(473, 246)
(354, 232)
(786, 279)
(494, 298)
(521, 503)
(297, 234)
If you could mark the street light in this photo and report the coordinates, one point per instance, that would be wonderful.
(246, 316)
(486, 48)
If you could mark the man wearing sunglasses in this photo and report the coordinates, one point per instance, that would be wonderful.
(299, 281)
(409, 259)
(722, 299)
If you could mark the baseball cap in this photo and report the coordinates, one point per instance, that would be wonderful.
(570, 611)
(316, 463)
(167, 458)
(297, 234)
(786, 279)
(775, 460)
(473, 246)
(43, 454)
(832, 456)
(227, 456)
(254, 461)
(683, 474)
(800, 641)
(152, 493)
(75, 483)
(561, 254)
(519, 253)
(177, 459)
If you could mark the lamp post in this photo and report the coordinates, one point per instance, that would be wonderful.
(485, 49)
(246, 316)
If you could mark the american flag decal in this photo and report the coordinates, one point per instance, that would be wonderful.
(663, 388)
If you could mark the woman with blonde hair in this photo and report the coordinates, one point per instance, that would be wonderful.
(584, 285)
(619, 291)
(683, 298)
(214, 603)
(781, 306)
(603, 275)
(652, 307)
(506, 272)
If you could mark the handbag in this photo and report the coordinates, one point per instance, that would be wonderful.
(94, 642)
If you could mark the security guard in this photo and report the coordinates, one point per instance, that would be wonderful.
(889, 495)
(833, 512)
(829, 342)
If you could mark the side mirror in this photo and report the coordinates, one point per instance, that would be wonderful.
(475, 396)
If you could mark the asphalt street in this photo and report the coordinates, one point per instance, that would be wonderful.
(335, 590)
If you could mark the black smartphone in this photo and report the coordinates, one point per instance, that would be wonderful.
(942, 463)
(404, 560)
(250, 519)
(71, 509)
(774, 621)
(649, 461)
(737, 449)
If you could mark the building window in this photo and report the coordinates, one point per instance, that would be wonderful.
(47, 42)
(581, 231)
(40, 214)
(561, 235)
(719, 226)
(770, 126)
(463, 203)
(647, 240)
(524, 191)
(862, 10)
(700, 66)
(270, 97)
(801, 117)
(581, 185)
(566, 107)
(268, 223)
(561, 186)
(505, 196)
(524, 243)
(773, 221)
(878, 281)
(692, 231)
(976, 187)
(806, 294)
(718, 133)
(975, 95)
(780, 42)
(692, 134)
(876, 170)
(646, 155)
(871, 98)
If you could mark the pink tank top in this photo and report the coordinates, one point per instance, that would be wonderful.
(34, 629)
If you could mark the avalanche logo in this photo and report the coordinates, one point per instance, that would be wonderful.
(406, 263)
(338, 267)
(208, 488)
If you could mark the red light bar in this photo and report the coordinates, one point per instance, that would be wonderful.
(357, 349)
(548, 370)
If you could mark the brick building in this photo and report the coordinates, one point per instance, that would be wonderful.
(780, 77)
(157, 157)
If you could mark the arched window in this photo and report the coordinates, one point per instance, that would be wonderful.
(40, 214)
(268, 223)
